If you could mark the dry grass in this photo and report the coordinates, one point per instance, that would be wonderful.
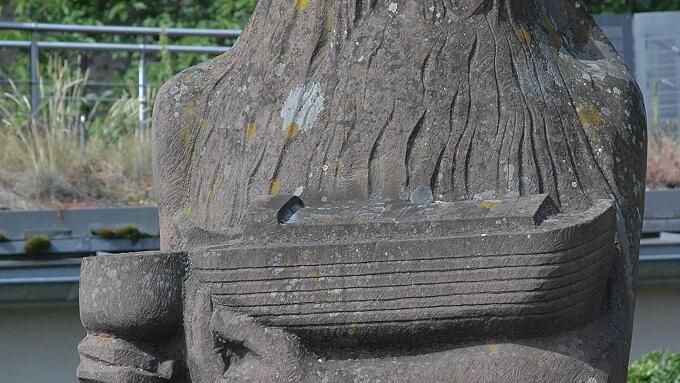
(43, 158)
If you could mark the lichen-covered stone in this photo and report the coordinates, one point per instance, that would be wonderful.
(412, 112)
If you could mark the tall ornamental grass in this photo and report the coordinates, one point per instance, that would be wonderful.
(70, 149)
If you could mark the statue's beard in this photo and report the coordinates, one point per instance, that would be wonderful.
(399, 99)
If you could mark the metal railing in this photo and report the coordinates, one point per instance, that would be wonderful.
(633, 35)
(34, 45)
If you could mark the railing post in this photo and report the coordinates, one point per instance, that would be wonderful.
(141, 91)
(35, 82)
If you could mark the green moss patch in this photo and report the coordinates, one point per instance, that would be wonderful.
(130, 232)
(37, 244)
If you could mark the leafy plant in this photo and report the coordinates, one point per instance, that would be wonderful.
(655, 367)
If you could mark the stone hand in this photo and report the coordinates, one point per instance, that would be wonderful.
(105, 359)
(259, 354)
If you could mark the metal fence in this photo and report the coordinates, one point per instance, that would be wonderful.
(657, 58)
(650, 45)
(619, 29)
(34, 45)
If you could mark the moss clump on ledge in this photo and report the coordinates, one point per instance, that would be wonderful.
(37, 244)
(130, 232)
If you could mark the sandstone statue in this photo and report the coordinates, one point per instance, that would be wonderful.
(386, 191)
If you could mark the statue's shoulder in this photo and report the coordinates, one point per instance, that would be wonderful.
(181, 99)
(178, 118)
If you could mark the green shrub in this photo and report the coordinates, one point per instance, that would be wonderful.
(656, 367)
(37, 244)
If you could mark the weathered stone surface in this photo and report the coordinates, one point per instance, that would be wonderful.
(132, 296)
(470, 178)
(131, 306)
(438, 270)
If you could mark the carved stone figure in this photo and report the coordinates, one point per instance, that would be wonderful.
(386, 191)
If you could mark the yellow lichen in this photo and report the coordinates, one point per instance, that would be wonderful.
(493, 348)
(555, 37)
(488, 204)
(328, 218)
(250, 130)
(525, 34)
(251, 25)
(104, 339)
(188, 212)
(275, 187)
(219, 185)
(291, 130)
(340, 165)
(185, 134)
(314, 273)
(328, 23)
(300, 5)
(590, 115)
(201, 123)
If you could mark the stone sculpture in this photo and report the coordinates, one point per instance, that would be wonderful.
(386, 191)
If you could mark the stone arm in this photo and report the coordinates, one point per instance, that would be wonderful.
(259, 354)
(130, 305)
